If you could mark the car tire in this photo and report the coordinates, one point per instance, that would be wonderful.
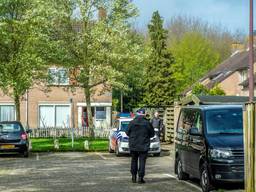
(181, 175)
(156, 154)
(205, 180)
(25, 153)
(117, 151)
(109, 149)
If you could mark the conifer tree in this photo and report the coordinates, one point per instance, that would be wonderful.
(159, 83)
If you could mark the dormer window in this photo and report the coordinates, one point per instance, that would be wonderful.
(243, 75)
(58, 76)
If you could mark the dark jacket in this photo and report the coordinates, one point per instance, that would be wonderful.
(157, 123)
(140, 131)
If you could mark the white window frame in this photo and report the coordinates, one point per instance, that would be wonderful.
(56, 82)
(10, 104)
(54, 105)
(243, 75)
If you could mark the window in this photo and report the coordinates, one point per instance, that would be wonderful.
(115, 124)
(10, 127)
(224, 121)
(198, 122)
(54, 116)
(243, 75)
(7, 113)
(58, 76)
(124, 125)
(190, 119)
(101, 113)
(46, 116)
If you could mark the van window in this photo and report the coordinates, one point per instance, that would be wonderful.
(190, 118)
(224, 121)
(198, 122)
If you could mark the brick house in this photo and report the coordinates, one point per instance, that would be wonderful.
(231, 75)
(59, 107)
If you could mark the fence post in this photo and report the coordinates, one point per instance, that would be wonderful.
(249, 147)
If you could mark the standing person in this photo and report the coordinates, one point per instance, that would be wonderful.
(139, 131)
(157, 123)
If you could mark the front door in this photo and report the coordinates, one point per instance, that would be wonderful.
(85, 116)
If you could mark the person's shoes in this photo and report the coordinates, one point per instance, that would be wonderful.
(141, 180)
(134, 178)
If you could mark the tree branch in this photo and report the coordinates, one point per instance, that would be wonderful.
(98, 83)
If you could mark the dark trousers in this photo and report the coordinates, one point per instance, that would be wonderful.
(141, 157)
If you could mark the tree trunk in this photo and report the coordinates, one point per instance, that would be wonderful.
(89, 111)
(122, 103)
(17, 107)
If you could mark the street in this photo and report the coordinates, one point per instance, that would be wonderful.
(87, 172)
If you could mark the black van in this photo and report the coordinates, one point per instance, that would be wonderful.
(209, 144)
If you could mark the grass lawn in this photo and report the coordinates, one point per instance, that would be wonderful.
(65, 144)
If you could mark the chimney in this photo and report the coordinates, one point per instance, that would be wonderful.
(237, 47)
(102, 13)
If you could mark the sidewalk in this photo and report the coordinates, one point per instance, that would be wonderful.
(166, 146)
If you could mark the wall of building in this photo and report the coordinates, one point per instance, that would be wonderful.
(56, 95)
(231, 85)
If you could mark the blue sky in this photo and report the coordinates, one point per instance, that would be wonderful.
(232, 14)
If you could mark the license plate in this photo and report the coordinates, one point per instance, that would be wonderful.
(7, 146)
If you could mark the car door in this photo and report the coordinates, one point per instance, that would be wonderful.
(196, 142)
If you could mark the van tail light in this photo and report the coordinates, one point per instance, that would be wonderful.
(24, 136)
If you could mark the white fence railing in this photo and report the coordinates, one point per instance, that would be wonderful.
(67, 132)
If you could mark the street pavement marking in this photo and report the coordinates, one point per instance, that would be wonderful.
(190, 184)
(101, 156)
(169, 175)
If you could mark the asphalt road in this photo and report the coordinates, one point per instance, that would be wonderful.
(90, 172)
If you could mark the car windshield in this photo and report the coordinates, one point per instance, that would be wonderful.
(224, 121)
(124, 125)
(9, 127)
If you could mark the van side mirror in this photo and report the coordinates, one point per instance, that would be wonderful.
(194, 131)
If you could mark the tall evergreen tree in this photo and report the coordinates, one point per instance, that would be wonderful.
(159, 83)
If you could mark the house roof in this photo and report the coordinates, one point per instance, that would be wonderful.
(214, 100)
(236, 62)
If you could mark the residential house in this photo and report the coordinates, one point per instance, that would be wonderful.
(59, 107)
(231, 75)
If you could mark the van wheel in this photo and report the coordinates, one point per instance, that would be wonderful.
(181, 175)
(156, 154)
(205, 180)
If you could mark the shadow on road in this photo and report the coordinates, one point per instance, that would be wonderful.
(159, 180)
(225, 186)
(11, 155)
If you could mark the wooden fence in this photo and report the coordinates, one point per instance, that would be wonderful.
(66, 132)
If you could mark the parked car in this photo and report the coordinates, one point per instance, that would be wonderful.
(209, 144)
(14, 138)
(119, 141)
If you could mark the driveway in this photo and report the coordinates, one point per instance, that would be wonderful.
(91, 172)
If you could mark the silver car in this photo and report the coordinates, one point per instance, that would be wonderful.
(119, 141)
